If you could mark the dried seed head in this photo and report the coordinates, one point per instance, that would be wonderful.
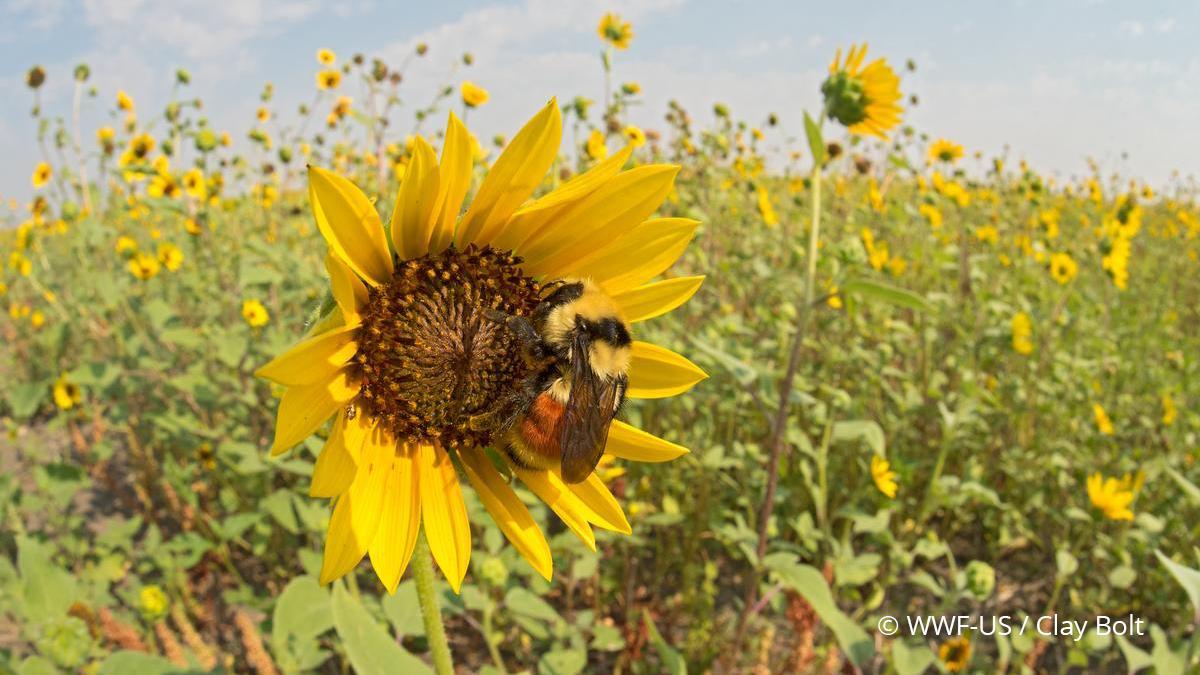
(429, 357)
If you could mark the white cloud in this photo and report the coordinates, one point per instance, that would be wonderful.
(1165, 25)
(1132, 28)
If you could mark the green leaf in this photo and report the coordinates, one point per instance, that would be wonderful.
(563, 662)
(1188, 486)
(524, 602)
(673, 661)
(122, 662)
(1135, 659)
(816, 144)
(865, 430)
(910, 660)
(893, 295)
(404, 610)
(303, 609)
(369, 647)
(808, 582)
(24, 399)
(1187, 577)
(48, 589)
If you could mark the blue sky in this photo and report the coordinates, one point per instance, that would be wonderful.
(1057, 81)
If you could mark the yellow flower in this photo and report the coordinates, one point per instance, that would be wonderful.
(42, 174)
(1112, 496)
(37, 319)
(263, 114)
(194, 185)
(326, 57)
(329, 79)
(164, 185)
(124, 102)
(635, 136)
(877, 254)
(170, 256)
(765, 209)
(988, 234)
(1063, 268)
(943, 150)
(932, 214)
(1103, 423)
(126, 244)
(597, 148)
(473, 95)
(153, 603)
(955, 654)
(66, 393)
(1022, 333)
(393, 472)
(884, 477)
(1170, 412)
(864, 99)
(143, 266)
(897, 265)
(254, 313)
(614, 31)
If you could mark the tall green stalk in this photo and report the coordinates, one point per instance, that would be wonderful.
(435, 630)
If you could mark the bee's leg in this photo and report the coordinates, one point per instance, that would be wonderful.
(536, 352)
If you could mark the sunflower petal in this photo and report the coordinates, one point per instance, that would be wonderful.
(552, 490)
(508, 511)
(629, 442)
(444, 514)
(348, 290)
(656, 299)
(401, 520)
(317, 358)
(639, 256)
(608, 213)
(356, 515)
(349, 222)
(338, 462)
(656, 372)
(412, 216)
(514, 176)
(602, 508)
(305, 408)
(531, 218)
(455, 179)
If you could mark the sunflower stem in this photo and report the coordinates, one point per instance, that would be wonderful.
(435, 631)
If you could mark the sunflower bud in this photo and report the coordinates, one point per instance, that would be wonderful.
(206, 140)
(82, 72)
(422, 48)
(844, 99)
(980, 579)
(35, 77)
(183, 77)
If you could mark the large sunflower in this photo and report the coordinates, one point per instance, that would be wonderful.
(407, 357)
(864, 98)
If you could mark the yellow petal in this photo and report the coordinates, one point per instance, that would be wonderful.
(444, 514)
(338, 462)
(646, 252)
(348, 290)
(656, 372)
(454, 175)
(306, 407)
(607, 214)
(629, 442)
(356, 515)
(316, 359)
(515, 175)
(349, 222)
(602, 508)
(656, 299)
(412, 216)
(531, 218)
(508, 511)
(552, 490)
(400, 522)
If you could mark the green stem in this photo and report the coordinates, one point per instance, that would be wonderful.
(435, 631)
(931, 489)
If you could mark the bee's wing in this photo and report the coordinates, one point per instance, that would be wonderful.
(588, 413)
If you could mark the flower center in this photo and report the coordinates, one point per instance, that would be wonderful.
(430, 356)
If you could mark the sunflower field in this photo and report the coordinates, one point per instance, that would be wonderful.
(893, 406)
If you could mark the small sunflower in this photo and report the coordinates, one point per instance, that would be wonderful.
(42, 174)
(884, 477)
(124, 102)
(863, 98)
(255, 314)
(615, 31)
(955, 653)
(66, 393)
(326, 57)
(635, 136)
(597, 145)
(329, 79)
(406, 357)
(473, 95)
(1103, 422)
(1113, 496)
(144, 266)
(943, 150)
(1063, 268)
(170, 256)
(1022, 333)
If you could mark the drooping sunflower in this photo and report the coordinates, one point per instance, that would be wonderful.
(863, 98)
(407, 358)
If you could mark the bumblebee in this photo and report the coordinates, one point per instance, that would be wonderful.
(577, 349)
